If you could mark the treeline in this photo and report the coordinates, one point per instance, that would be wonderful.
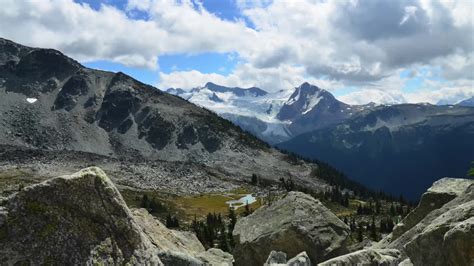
(152, 204)
(155, 207)
(361, 229)
(216, 230)
(395, 209)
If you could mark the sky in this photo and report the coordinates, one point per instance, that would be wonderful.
(360, 50)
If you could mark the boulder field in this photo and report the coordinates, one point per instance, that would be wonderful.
(82, 219)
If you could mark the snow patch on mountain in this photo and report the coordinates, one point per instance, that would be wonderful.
(311, 103)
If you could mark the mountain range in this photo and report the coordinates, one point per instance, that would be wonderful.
(160, 155)
(382, 146)
(51, 102)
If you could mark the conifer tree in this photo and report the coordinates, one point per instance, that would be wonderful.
(373, 229)
(360, 237)
(223, 242)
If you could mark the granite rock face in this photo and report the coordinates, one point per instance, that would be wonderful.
(292, 225)
(439, 231)
(444, 235)
(179, 247)
(82, 219)
(441, 192)
(278, 258)
(275, 258)
(367, 257)
(74, 219)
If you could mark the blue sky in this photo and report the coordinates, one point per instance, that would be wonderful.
(209, 62)
(381, 51)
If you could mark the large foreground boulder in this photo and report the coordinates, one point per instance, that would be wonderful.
(292, 225)
(445, 235)
(82, 219)
(439, 231)
(440, 193)
(74, 219)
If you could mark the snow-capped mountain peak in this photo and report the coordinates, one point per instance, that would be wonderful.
(304, 99)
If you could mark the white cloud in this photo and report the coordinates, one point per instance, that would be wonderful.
(363, 44)
(108, 33)
(365, 96)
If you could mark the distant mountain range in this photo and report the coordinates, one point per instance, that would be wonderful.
(467, 102)
(383, 146)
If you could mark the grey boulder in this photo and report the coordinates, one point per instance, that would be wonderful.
(293, 224)
(278, 258)
(367, 257)
(443, 236)
(75, 219)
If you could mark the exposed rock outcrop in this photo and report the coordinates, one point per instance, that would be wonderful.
(275, 258)
(82, 219)
(441, 192)
(448, 239)
(445, 235)
(72, 220)
(367, 257)
(293, 224)
(439, 231)
(178, 247)
(278, 258)
(301, 259)
(52, 103)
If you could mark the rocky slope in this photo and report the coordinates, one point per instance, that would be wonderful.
(82, 219)
(51, 102)
(293, 224)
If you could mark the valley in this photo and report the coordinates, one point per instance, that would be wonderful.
(380, 146)
(98, 167)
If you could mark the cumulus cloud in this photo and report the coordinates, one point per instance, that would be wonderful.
(109, 33)
(82, 32)
(360, 43)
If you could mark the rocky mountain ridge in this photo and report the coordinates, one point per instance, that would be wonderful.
(389, 146)
(51, 102)
(467, 102)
